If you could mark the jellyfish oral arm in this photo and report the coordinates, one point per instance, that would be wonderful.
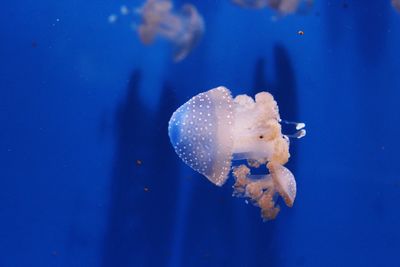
(256, 131)
(171, 27)
(262, 189)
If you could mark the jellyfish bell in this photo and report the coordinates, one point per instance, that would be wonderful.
(193, 29)
(213, 129)
(200, 132)
(284, 182)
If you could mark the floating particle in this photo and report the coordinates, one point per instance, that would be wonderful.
(213, 129)
(300, 33)
(112, 18)
(124, 10)
(138, 162)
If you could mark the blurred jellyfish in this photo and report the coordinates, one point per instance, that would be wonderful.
(283, 7)
(183, 28)
(396, 4)
(213, 129)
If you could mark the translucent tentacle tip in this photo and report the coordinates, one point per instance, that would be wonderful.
(301, 132)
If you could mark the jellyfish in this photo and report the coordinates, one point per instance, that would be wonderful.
(396, 4)
(213, 130)
(183, 28)
(283, 7)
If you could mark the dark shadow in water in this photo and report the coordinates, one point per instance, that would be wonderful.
(210, 233)
(265, 247)
(260, 82)
(285, 93)
(144, 194)
(367, 21)
(283, 90)
(372, 21)
(142, 187)
(338, 20)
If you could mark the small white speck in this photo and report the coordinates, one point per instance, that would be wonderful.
(124, 10)
(112, 18)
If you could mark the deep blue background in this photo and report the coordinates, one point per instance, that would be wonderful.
(82, 100)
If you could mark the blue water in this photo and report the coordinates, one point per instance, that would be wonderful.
(88, 176)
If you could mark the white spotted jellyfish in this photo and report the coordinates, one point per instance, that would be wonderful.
(212, 130)
(182, 28)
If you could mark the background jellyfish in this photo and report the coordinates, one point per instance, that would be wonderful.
(281, 6)
(396, 4)
(183, 28)
(213, 129)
